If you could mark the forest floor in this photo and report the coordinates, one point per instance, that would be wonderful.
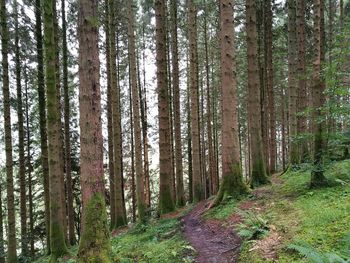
(283, 222)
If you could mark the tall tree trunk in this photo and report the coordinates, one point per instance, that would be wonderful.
(211, 165)
(189, 142)
(132, 155)
(180, 199)
(341, 14)
(140, 191)
(120, 219)
(29, 171)
(110, 120)
(94, 243)
(258, 173)
(57, 234)
(292, 83)
(166, 202)
(144, 124)
(2, 241)
(270, 86)
(317, 177)
(70, 207)
(198, 191)
(232, 183)
(21, 161)
(300, 68)
(42, 117)
(11, 219)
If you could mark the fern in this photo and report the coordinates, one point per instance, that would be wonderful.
(254, 226)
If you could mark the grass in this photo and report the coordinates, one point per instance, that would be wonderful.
(320, 218)
(158, 241)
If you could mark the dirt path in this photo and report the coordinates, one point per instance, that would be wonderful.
(214, 242)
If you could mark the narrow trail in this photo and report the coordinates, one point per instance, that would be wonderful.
(214, 242)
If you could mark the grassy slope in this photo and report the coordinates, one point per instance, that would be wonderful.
(318, 217)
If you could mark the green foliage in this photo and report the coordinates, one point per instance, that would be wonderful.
(222, 211)
(155, 242)
(253, 226)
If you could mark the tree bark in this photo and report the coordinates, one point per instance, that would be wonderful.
(42, 117)
(180, 199)
(120, 219)
(198, 191)
(57, 234)
(292, 83)
(317, 177)
(258, 173)
(11, 218)
(94, 243)
(2, 241)
(166, 202)
(232, 183)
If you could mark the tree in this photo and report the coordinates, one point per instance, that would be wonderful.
(11, 218)
(198, 191)
(140, 191)
(94, 243)
(67, 144)
(42, 117)
(317, 177)
(292, 84)
(2, 248)
(21, 158)
(166, 202)
(232, 183)
(180, 199)
(120, 216)
(300, 69)
(258, 171)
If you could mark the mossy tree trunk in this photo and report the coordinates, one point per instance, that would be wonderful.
(42, 117)
(120, 216)
(94, 243)
(140, 189)
(317, 177)
(258, 171)
(11, 219)
(232, 181)
(57, 235)
(166, 202)
(292, 84)
(67, 144)
(21, 158)
(180, 200)
(198, 191)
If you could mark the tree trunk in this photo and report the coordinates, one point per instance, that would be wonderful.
(120, 219)
(341, 14)
(21, 161)
(258, 173)
(132, 155)
(42, 117)
(140, 191)
(11, 219)
(292, 83)
(189, 142)
(270, 86)
(70, 207)
(94, 243)
(300, 68)
(57, 235)
(180, 199)
(198, 191)
(29, 171)
(166, 202)
(2, 241)
(110, 120)
(232, 183)
(317, 177)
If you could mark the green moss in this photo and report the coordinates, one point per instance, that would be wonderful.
(166, 202)
(95, 245)
(57, 240)
(259, 176)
